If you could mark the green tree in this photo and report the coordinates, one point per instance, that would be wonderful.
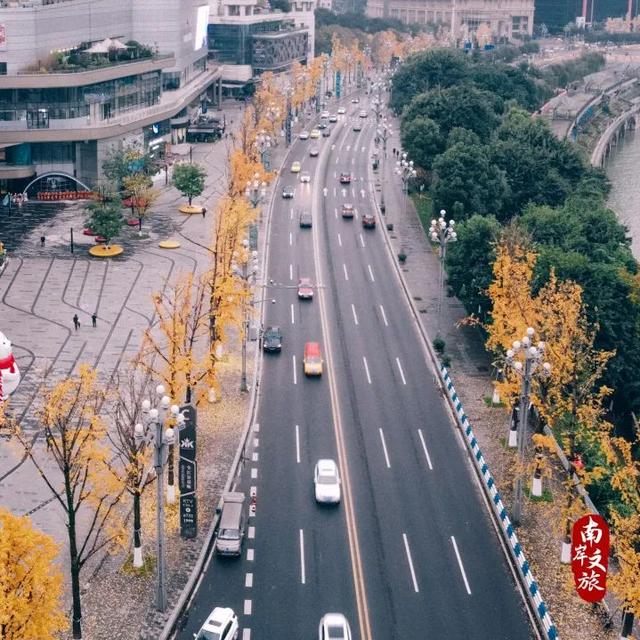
(460, 135)
(470, 263)
(422, 140)
(460, 106)
(188, 179)
(464, 174)
(105, 219)
(435, 68)
(121, 163)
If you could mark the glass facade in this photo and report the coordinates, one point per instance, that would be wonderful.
(39, 106)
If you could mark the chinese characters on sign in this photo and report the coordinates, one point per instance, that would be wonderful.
(188, 475)
(590, 556)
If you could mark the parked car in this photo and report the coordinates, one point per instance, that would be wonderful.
(305, 220)
(272, 339)
(305, 289)
(368, 221)
(221, 624)
(231, 527)
(348, 210)
(288, 192)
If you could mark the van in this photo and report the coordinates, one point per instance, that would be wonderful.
(231, 525)
(312, 359)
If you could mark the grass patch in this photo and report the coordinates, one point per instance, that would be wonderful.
(424, 208)
(148, 567)
(546, 496)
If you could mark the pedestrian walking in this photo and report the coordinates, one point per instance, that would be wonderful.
(76, 321)
(394, 151)
(204, 212)
(94, 318)
(42, 239)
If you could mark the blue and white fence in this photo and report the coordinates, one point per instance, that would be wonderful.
(507, 528)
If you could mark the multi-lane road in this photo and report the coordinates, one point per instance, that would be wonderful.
(410, 552)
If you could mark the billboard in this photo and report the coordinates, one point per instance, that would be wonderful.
(3, 36)
(202, 22)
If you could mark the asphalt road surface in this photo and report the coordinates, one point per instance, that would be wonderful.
(410, 552)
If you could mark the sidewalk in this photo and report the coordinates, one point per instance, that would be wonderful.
(42, 288)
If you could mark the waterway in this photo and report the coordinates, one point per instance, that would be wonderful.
(623, 169)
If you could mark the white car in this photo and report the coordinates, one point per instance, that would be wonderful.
(221, 624)
(363, 114)
(305, 177)
(304, 135)
(327, 483)
(324, 114)
(342, 111)
(333, 117)
(334, 626)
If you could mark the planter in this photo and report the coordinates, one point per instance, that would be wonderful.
(402, 258)
(389, 226)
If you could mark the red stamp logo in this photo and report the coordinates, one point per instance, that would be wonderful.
(590, 557)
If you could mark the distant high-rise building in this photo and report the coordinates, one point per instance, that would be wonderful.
(497, 18)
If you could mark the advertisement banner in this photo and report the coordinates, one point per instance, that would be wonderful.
(590, 557)
(188, 474)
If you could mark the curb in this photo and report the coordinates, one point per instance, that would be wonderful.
(537, 608)
(489, 485)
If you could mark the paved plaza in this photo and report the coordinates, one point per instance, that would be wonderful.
(42, 288)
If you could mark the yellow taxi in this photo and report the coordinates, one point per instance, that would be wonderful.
(315, 133)
(312, 359)
(295, 167)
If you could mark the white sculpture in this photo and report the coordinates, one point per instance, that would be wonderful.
(9, 372)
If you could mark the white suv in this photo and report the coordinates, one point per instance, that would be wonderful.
(221, 624)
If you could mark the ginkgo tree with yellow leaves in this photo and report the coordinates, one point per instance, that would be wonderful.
(30, 582)
(75, 446)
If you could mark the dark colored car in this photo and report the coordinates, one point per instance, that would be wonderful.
(287, 192)
(368, 221)
(306, 220)
(345, 178)
(326, 132)
(323, 125)
(357, 126)
(272, 339)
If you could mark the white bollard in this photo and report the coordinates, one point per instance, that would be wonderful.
(137, 557)
(536, 487)
(495, 399)
(513, 438)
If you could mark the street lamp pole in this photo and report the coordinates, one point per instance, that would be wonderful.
(442, 232)
(406, 171)
(526, 368)
(162, 440)
(263, 145)
(384, 133)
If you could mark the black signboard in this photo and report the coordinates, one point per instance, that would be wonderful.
(188, 474)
